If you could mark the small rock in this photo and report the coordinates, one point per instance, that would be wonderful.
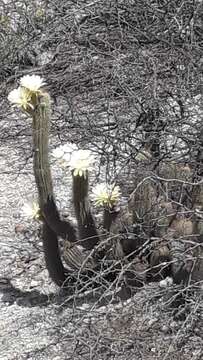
(174, 325)
(168, 281)
(197, 352)
(84, 306)
(196, 331)
(171, 349)
(44, 58)
(165, 329)
(33, 284)
(128, 301)
(188, 327)
(102, 309)
(118, 306)
(20, 228)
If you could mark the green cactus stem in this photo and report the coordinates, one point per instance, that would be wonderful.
(43, 180)
(52, 256)
(62, 228)
(86, 225)
(41, 166)
(73, 256)
(52, 225)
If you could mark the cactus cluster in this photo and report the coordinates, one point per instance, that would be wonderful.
(32, 99)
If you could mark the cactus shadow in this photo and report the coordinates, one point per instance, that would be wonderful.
(12, 295)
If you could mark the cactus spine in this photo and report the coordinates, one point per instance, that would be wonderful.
(40, 146)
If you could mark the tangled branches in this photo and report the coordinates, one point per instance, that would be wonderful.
(125, 79)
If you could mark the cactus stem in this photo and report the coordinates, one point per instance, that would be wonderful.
(43, 179)
(86, 225)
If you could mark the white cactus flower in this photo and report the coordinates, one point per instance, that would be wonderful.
(20, 97)
(57, 153)
(64, 151)
(80, 162)
(106, 194)
(31, 210)
(33, 83)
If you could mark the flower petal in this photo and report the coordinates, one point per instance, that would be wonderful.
(32, 82)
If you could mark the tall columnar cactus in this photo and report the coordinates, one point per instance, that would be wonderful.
(80, 164)
(40, 115)
(32, 99)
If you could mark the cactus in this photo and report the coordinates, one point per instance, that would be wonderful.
(79, 162)
(36, 103)
(107, 197)
(53, 225)
(109, 217)
(86, 225)
(40, 116)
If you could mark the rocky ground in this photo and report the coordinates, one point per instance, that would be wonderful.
(39, 321)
